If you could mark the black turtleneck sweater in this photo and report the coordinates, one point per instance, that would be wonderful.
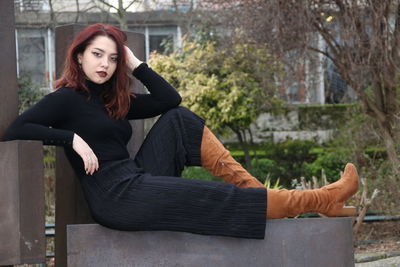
(60, 114)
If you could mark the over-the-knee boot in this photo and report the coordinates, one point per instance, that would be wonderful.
(328, 200)
(217, 159)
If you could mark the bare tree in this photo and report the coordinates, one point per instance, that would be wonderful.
(361, 38)
(118, 11)
(48, 13)
(186, 13)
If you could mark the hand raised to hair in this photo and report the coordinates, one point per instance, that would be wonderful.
(131, 60)
(86, 153)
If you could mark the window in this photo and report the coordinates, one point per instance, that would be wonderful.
(31, 5)
(161, 43)
(32, 56)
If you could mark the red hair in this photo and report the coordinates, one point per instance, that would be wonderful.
(117, 96)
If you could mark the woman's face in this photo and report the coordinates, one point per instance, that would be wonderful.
(99, 60)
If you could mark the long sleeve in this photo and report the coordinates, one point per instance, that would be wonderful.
(40, 121)
(163, 96)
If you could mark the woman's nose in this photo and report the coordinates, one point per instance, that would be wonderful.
(104, 62)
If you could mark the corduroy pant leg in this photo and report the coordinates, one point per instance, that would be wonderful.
(173, 142)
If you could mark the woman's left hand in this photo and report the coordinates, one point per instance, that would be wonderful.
(90, 161)
(131, 60)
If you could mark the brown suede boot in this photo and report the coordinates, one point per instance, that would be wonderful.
(328, 200)
(217, 159)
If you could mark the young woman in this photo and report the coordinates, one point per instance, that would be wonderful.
(88, 114)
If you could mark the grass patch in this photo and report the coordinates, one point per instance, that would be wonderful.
(199, 173)
(240, 153)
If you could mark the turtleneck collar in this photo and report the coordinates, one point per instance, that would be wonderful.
(95, 88)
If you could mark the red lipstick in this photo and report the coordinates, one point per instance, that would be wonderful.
(102, 74)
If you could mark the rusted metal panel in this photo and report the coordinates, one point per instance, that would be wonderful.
(71, 207)
(8, 68)
(21, 165)
(32, 199)
(136, 44)
(309, 242)
(22, 222)
(9, 203)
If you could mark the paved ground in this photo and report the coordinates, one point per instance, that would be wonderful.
(378, 259)
(389, 262)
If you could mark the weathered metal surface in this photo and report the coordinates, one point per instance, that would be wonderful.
(71, 207)
(9, 204)
(136, 43)
(21, 203)
(70, 204)
(21, 166)
(8, 67)
(310, 242)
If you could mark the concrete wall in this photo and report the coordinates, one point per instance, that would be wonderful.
(314, 122)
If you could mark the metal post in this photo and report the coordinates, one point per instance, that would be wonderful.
(21, 166)
(8, 71)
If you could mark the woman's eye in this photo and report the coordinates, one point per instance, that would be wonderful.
(114, 59)
(96, 54)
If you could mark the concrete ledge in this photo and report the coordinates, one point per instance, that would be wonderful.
(288, 242)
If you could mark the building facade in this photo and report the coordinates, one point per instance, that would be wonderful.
(314, 80)
(36, 21)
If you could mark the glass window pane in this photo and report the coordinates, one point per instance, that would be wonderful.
(161, 43)
(32, 59)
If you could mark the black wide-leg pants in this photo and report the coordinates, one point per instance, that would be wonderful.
(147, 193)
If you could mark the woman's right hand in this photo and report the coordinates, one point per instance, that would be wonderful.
(131, 60)
(86, 153)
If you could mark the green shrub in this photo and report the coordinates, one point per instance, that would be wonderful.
(292, 150)
(200, 173)
(290, 157)
(28, 93)
(332, 163)
(264, 168)
(326, 116)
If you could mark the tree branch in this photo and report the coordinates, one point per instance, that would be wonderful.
(329, 39)
(77, 11)
(130, 4)
(396, 36)
(321, 52)
(107, 4)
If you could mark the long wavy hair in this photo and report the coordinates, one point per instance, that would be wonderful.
(117, 95)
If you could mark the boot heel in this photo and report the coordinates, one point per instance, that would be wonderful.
(346, 211)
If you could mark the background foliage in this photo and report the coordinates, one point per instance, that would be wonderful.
(28, 93)
(223, 85)
(228, 87)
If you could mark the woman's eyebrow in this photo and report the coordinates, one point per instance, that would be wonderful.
(104, 51)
